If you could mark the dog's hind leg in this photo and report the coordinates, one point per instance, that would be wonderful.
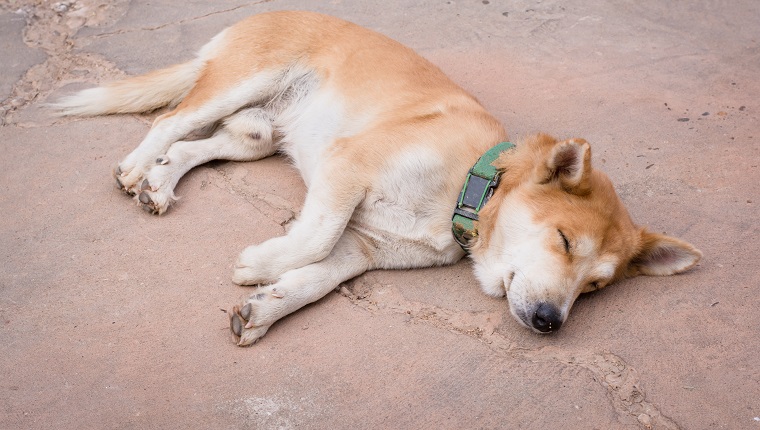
(350, 257)
(245, 136)
(335, 191)
(206, 104)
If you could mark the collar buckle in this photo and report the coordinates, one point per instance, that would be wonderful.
(475, 194)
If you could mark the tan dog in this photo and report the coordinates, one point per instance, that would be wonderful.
(384, 142)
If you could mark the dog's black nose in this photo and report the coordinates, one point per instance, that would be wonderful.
(546, 318)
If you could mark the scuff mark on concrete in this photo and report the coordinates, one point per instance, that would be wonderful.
(275, 412)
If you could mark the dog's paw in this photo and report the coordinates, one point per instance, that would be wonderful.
(129, 177)
(250, 322)
(155, 202)
(155, 190)
(124, 180)
(254, 267)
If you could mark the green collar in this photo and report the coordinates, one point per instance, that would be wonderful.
(478, 187)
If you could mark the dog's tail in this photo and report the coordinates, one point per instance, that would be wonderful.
(165, 87)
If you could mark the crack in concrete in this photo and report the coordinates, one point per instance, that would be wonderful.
(618, 378)
(180, 22)
(50, 28)
(280, 211)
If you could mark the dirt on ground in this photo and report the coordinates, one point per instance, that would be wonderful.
(115, 318)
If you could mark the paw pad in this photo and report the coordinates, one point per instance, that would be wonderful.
(239, 319)
(147, 203)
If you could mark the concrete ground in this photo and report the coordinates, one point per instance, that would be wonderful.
(113, 318)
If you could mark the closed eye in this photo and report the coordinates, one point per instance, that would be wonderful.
(565, 241)
(592, 286)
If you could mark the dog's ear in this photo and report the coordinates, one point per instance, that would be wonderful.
(568, 165)
(661, 255)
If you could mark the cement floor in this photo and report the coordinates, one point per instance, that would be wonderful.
(111, 317)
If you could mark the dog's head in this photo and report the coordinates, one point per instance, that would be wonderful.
(555, 228)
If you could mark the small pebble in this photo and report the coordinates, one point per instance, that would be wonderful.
(683, 119)
(61, 7)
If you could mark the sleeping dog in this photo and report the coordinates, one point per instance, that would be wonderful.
(389, 149)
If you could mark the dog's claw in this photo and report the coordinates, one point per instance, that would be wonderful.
(162, 160)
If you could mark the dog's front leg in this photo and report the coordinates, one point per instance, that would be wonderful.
(350, 257)
(332, 197)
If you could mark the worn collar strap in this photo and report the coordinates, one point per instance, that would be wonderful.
(478, 187)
